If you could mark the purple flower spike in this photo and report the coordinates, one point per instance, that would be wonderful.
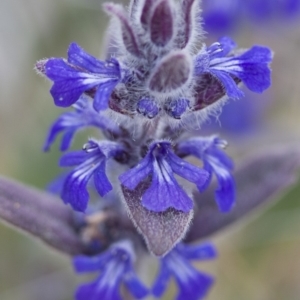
(215, 161)
(192, 284)
(91, 161)
(70, 122)
(116, 266)
(82, 73)
(164, 191)
(251, 67)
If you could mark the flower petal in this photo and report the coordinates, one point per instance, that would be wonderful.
(225, 194)
(75, 191)
(227, 45)
(229, 84)
(195, 287)
(96, 290)
(197, 252)
(188, 171)
(134, 176)
(69, 83)
(164, 191)
(84, 263)
(78, 57)
(161, 281)
(102, 184)
(73, 158)
(67, 139)
(103, 94)
(135, 286)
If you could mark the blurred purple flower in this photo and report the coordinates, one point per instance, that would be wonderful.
(228, 16)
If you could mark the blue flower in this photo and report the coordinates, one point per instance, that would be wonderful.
(192, 284)
(215, 161)
(91, 161)
(70, 122)
(82, 73)
(164, 192)
(116, 266)
(250, 67)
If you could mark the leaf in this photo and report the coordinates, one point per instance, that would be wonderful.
(129, 38)
(40, 214)
(161, 230)
(161, 24)
(171, 73)
(209, 90)
(189, 9)
(145, 15)
(259, 181)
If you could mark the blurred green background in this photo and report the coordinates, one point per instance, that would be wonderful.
(258, 260)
